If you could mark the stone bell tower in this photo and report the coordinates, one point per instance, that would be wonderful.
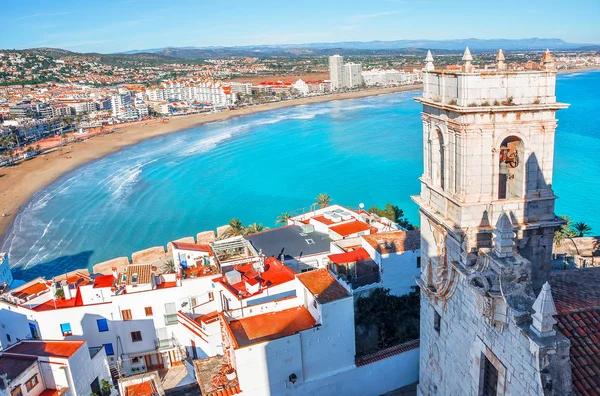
(488, 144)
(487, 225)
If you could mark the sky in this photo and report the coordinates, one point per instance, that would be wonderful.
(115, 26)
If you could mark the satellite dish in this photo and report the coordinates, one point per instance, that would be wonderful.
(361, 205)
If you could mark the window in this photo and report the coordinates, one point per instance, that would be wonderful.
(33, 381)
(134, 279)
(148, 311)
(109, 349)
(126, 314)
(418, 262)
(8, 338)
(136, 336)
(102, 325)
(66, 329)
(310, 241)
(95, 386)
(171, 314)
(123, 278)
(437, 319)
(211, 296)
(16, 391)
(135, 360)
(490, 378)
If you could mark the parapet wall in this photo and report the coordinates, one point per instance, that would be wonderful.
(490, 87)
(151, 254)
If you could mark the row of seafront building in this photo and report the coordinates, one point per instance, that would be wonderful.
(351, 75)
(273, 311)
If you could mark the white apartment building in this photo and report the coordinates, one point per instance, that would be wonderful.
(241, 88)
(119, 101)
(378, 77)
(32, 368)
(352, 75)
(336, 72)
(216, 94)
(302, 87)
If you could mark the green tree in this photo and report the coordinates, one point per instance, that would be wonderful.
(254, 228)
(582, 228)
(323, 200)
(283, 218)
(235, 228)
(393, 213)
(564, 231)
(169, 266)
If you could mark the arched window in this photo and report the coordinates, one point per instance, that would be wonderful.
(442, 160)
(511, 168)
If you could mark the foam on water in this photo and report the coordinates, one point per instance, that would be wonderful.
(256, 167)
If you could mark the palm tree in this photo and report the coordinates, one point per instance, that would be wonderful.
(323, 200)
(564, 231)
(283, 218)
(235, 228)
(254, 228)
(582, 228)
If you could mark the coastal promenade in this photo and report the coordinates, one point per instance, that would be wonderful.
(19, 183)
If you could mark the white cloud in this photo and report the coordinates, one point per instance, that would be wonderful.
(361, 17)
(40, 15)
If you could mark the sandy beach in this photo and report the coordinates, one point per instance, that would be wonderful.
(18, 183)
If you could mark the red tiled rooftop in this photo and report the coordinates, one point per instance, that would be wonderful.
(274, 273)
(323, 219)
(193, 247)
(271, 326)
(104, 281)
(352, 227)
(143, 389)
(63, 349)
(31, 290)
(577, 301)
(349, 257)
(323, 285)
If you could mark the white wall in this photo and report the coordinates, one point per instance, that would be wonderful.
(263, 368)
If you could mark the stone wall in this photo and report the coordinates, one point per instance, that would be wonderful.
(451, 359)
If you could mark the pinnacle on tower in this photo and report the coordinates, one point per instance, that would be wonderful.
(543, 318)
(547, 61)
(503, 237)
(429, 61)
(467, 57)
(500, 65)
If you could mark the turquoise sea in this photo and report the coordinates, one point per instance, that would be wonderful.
(256, 167)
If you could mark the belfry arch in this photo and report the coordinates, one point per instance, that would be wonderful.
(438, 159)
(511, 168)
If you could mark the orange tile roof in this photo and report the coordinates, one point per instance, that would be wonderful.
(352, 227)
(63, 349)
(143, 389)
(104, 281)
(31, 290)
(394, 241)
(349, 257)
(323, 285)
(323, 219)
(271, 326)
(275, 273)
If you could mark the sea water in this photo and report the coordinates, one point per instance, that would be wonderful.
(256, 167)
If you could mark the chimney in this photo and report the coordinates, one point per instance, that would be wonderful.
(65, 287)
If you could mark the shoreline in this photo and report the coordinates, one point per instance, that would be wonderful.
(20, 182)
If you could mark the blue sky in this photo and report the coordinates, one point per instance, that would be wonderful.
(113, 26)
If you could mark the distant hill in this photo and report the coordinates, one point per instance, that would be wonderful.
(366, 48)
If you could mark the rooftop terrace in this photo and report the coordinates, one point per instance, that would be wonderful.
(270, 326)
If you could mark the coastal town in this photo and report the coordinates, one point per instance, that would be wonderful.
(485, 295)
(49, 98)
